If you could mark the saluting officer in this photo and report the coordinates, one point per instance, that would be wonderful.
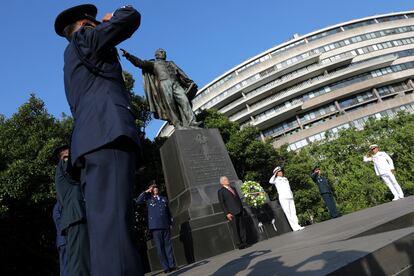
(384, 167)
(325, 190)
(159, 223)
(285, 197)
(73, 217)
(105, 138)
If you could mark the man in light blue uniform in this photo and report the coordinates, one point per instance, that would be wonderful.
(159, 223)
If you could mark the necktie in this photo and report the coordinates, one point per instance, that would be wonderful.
(231, 190)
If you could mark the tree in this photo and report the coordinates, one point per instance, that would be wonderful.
(139, 104)
(27, 194)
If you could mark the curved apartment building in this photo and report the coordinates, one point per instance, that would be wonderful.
(330, 79)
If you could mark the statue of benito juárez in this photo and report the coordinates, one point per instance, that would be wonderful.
(167, 88)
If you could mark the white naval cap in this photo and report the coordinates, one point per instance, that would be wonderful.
(373, 146)
(277, 169)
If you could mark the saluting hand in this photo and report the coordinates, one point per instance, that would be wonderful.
(148, 190)
(107, 17)
(229, 216)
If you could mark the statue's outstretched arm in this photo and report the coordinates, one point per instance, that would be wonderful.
(136, 61)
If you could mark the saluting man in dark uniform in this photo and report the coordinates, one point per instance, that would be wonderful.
(159, 223)
(72, 222)
(104, 139)
(325, 190)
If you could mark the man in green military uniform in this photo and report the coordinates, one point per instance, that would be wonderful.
(325, 190)
(73, 218)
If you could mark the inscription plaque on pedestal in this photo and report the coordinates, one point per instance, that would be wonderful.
(193, 161)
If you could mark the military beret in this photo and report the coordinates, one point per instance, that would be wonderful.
(71, 15)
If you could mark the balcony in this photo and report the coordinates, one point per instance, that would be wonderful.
(312, 58)
(282, 83)
(320, 82)
(278, 115)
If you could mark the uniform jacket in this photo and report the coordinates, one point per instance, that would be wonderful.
(230, 203)
(159, 216)
(322, 182)
(69, 196)
(383, 163)
(282, 186)
(95, 89)
(57, 214)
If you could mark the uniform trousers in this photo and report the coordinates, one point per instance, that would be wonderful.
(108, 179)
(162, 239)
(330, 203)
(288, 206)
(77, 249)
(239, 229)
(63, 261)
(392, 184)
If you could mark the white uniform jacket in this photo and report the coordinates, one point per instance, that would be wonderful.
(282, 186)
(382, 162)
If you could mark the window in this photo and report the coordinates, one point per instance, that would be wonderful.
(390, 18)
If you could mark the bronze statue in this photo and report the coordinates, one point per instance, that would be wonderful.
(168, 89)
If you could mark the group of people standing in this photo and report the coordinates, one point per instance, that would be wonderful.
(384, 167)
(231, 203)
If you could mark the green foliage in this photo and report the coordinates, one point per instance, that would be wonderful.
(27, 194)
(27, 141)
(213, 119)
(139, 104)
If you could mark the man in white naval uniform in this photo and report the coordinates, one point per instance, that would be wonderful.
(285, 197)
(384, 167)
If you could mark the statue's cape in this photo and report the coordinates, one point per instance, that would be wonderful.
(187, 83)
(155, 97)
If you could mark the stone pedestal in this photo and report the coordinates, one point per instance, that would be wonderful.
(193, 161)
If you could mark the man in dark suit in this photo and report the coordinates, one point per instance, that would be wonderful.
(159, 223)
(105, 138)
(233, 209)
(325, 190)
(60, 240)
(72, 224)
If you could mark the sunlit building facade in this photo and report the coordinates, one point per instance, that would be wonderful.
(327, 80)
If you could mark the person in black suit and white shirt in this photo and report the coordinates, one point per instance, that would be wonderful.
(233, 209)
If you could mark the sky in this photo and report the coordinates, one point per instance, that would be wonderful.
(205, 38)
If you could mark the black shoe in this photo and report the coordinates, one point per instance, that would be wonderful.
(242, 246)
(172, 269)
